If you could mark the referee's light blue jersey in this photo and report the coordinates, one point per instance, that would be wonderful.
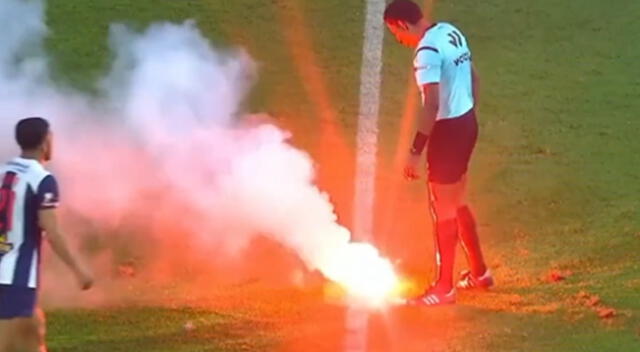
(443, 57)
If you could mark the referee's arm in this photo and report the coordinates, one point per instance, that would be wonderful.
(430, 106)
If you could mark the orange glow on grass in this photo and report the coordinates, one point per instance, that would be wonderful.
(362, 272)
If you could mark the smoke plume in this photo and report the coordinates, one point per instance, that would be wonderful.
(163, 157)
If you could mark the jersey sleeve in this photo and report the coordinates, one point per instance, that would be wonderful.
(48, 195)
(427, 65)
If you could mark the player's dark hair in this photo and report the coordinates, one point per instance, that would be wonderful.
(402, 10)
(31, 132)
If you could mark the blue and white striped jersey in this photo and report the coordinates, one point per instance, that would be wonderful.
(26, 188)
(444, 57)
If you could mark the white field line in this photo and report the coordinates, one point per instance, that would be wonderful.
(356, 326)
(367, 138)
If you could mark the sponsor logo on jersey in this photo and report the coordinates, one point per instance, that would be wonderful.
(462, 58)
(5, 245)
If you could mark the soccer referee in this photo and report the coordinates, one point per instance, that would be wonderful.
(447, 127)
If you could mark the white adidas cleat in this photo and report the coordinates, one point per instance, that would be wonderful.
(468, 281)
(432, 298)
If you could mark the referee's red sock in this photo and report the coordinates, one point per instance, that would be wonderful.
(470, 241)
(446, 237)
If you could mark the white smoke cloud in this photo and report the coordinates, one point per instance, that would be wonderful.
(164, 145)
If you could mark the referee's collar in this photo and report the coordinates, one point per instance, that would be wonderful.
(427, 31)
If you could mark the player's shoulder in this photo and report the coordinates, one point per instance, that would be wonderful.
(429, 37)
(430, 41)
(433, 36)
(447, 26)
(40, 174)
(441, 33)
(32, 171)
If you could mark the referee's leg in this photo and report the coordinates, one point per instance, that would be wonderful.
(469, 237)
(445, 198)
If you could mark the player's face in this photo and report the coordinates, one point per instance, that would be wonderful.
(47, 147)
(403, 33)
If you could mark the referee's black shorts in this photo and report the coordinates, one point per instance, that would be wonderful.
(450, 147)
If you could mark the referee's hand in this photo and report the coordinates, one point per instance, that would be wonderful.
(411, 168)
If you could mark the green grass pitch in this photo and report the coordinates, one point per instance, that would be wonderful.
(558, 162)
